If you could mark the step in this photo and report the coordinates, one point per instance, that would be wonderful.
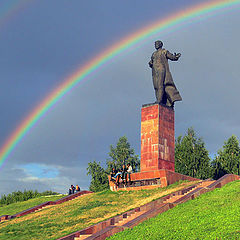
(206, 183)
(129, 218)
(173, 199)
(81, 237)
(176, 197)
(202, 184)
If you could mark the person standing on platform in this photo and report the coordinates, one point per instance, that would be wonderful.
(77, 188)
(124, 174)
(73, 189)
(129, 172)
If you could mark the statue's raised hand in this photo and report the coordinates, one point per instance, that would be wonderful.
(178, 55)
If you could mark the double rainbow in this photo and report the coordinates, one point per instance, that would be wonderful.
(75, 78)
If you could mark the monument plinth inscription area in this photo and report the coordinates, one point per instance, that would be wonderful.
(157, 137)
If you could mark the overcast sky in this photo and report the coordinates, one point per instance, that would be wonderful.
(46, 41)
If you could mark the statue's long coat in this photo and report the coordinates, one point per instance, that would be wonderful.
(162, 78)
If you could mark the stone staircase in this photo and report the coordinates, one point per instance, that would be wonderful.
(129, 218)
(118, 222)
(175, 198)
(135, 216)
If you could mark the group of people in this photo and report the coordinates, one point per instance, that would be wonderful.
(124, 174)
(72, 189)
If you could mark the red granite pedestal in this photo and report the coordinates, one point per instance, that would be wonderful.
(157, 150)
(157, 138)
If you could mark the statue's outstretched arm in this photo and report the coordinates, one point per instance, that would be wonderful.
(173, 57)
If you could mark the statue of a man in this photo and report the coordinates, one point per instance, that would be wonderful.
(165, 89)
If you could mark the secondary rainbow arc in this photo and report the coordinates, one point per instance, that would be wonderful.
(9, 9)
(75, 78)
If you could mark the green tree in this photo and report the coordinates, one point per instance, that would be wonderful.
(99, 180)
(191, 156)
(228, 158)
(122, 154)
(119, 155)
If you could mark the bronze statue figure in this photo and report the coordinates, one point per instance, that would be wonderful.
(165, 89)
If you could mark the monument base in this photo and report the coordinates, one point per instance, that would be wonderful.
(157, 137)
(157, 151)
(151, 179)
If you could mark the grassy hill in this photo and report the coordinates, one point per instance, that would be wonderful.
(213, 215)
(56, 221)
(14, 208)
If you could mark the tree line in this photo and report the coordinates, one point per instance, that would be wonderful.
(191, 158)
(19, 196)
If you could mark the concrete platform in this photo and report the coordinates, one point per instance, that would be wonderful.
(150, 179)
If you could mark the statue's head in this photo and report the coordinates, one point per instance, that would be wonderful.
(158, 44)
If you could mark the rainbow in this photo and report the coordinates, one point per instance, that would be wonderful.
(172, 20)
(9, 9)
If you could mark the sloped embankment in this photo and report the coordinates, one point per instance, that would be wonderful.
(213, 215)
(14, 208)
(42, 205)
(59, 220)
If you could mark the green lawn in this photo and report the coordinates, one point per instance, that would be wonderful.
(59, 220)
(213, 215)
(17, 207)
